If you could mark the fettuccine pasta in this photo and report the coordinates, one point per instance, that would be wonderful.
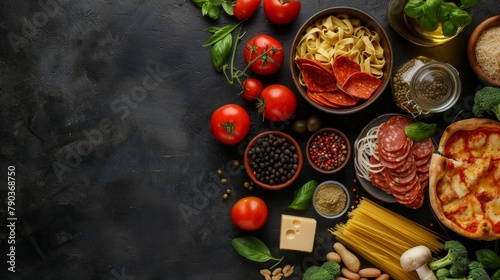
(340, 35)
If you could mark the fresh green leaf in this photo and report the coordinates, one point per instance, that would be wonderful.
(496, 275)
(460, 17)
(228, 7)
(213, 12)
(448, 28)
(199, 3)
(252, 248)
(428, 23)
(419, 131)
(220, 52)
(469, 3)
(488, 258)
(413, 8)
(219, 33)
(431, 9)
(445, 10)
(302, 197)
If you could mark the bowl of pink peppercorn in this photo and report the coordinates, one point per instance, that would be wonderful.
(328, 150)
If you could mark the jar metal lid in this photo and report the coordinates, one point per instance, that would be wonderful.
(435, 87)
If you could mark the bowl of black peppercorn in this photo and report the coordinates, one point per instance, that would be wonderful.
(273, 160)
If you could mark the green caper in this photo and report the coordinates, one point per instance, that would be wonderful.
(313, 123)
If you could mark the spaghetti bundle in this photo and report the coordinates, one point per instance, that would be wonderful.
(380, 236)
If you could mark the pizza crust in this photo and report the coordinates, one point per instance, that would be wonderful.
(437, 172)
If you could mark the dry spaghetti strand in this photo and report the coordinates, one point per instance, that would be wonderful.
(380, 236)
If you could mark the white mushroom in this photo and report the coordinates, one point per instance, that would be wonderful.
(416, 259)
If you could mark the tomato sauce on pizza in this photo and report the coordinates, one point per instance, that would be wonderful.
(464, 179)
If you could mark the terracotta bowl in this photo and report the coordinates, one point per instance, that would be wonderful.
(250, 171)
(471, 53)
(367, 21)
(309, 150)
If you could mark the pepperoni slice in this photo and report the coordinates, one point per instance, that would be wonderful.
(361, 85)
(301, 61)
(318, 79)
(391, 138)
(338, 98)
(402, 121)
(343, 67)
(422, 149)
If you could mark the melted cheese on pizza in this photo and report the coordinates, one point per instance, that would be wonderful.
(468, 188)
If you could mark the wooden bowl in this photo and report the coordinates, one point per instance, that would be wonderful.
(471, 50)
(328, 131)
(367, 21)
(250, 171)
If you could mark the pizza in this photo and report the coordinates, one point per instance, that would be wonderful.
(464, 179)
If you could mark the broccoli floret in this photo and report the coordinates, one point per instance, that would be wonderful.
(477, 271)
(457, 258)
(442, 273)
(487, 100)
(316, 273)
(332, 267)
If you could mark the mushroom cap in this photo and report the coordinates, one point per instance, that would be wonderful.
(415, 257)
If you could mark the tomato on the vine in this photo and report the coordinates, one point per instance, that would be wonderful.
(252, 89)
(277, 103)
(230, 124)
(281, 11)
(244, 9)
(249, 213)
(265, 54)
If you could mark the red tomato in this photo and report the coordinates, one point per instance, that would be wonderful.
(265, 54)
(244, 9)
(230, 124)
(281, 11)
(252, 89)
(277, 103)
(249, 213)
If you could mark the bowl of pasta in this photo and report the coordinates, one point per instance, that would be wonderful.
(341, 60)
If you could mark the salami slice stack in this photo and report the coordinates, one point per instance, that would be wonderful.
(406, 163)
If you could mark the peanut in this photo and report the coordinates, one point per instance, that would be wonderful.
(288, 270)
(277, 271)
(384, 276)
(370, 272)
(265, 272)
(349, 274)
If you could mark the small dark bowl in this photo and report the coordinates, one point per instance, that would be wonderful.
(471, 50)
(329, 131)
(249, 171)
(373, 25)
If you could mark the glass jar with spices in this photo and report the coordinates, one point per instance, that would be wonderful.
(423, 86)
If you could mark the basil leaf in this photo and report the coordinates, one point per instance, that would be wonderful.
(496, 275)
(469, 3)
(460, 17)
(251, 248)
(199, 3)
(419, 131)
(428, 23)
(228, 7)
(413, 8)
(445, 10)
(302, 197)
(213, 12)
(431, 9)
(219, 33)
(488, 258)
(448, 28)
(220, 51)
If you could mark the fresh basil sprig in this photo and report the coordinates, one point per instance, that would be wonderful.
(419, 131)
(212, 7)
(221, 42)
(302, 197)
(430, 12)
(253, 249)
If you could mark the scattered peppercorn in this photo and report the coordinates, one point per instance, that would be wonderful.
(273, 160)
(328, 150)
(223, 180)
(225, 196)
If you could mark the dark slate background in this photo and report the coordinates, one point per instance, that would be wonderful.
(104, 114)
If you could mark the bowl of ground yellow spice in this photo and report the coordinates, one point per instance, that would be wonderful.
(331, 199)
